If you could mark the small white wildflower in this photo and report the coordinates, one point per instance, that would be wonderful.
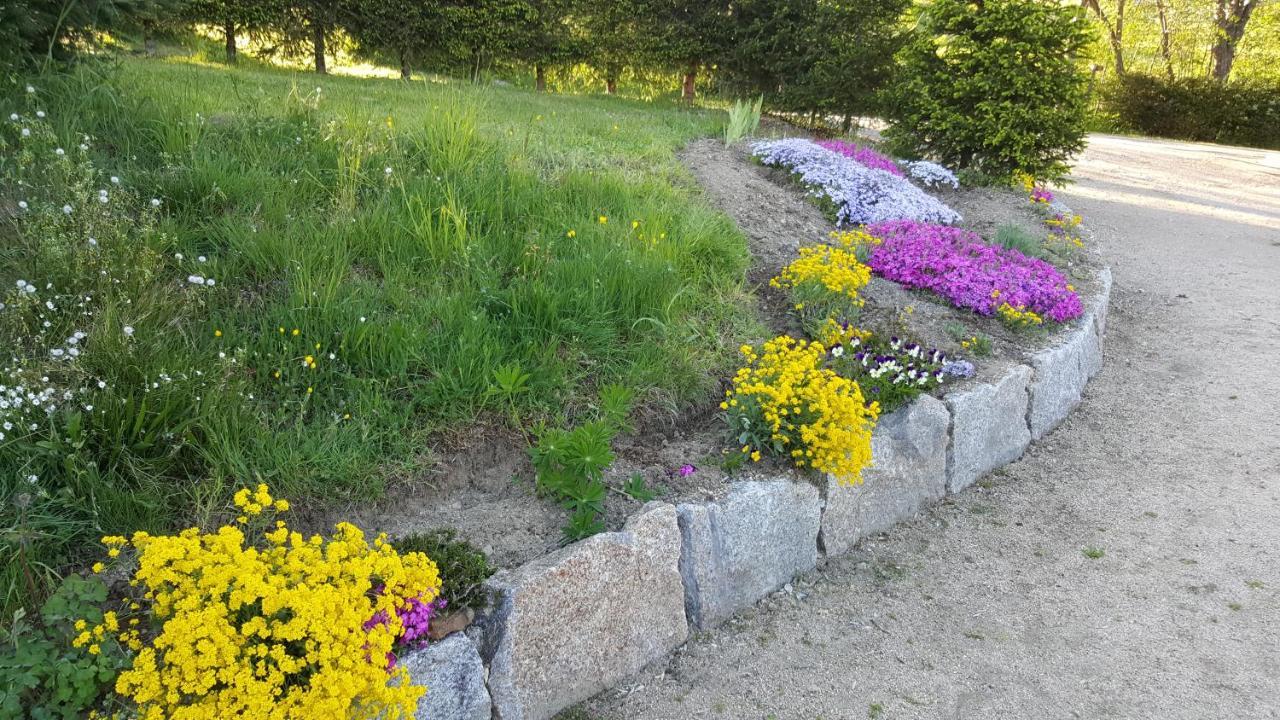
(40, 114)
(103, 198)
(361, 318)
(26, 132)
(88, 408)
(387, 170)
(83, 147)
(59, 152)
(56, 352)
(222, 356)
(128, 331)
(332, 356)
(22, 204)
(195, 279)
(115, 180)
(93, 242)
(177, 256)
(32, 479)
(837, 351)
(102, 384)
(155, 202)
(66, 209)
(201, 259)
(30, 89)
(73, 352)
(13, 117)
(209, 282)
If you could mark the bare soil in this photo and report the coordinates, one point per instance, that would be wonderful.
(1125, 567)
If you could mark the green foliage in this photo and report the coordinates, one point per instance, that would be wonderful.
(570, 464)
(445, 290)
(1195, 109)
(1014, 237)
(463, 567)
(994, 86)
(41, 675)
(636, 488)
(744, 120)
(833, 58)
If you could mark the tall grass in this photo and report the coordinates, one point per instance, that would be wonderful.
(410, 240)
(744, 120)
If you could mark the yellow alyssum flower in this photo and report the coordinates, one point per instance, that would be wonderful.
(787, 395)
(279, 628)
(1018, 316)
(836, 269)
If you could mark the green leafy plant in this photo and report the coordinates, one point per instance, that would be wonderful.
(744, 120)
(995, 86)
(570, 464)
(636, 488)
(41, 674)
(463, 567)
(509, 382)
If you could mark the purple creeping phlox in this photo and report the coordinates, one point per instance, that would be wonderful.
(861, 195)
(865, 155)
(957, 265)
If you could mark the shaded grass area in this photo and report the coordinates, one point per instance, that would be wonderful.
(379, 251)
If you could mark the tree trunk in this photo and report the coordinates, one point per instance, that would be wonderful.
(1231, 17)
(1115, 31)
(1166, 50)
(149, 38)
(847, 124)
(317, 42)
(229, 29)
(690, 89)
(405, 72)
(539, 78)
(611, 86)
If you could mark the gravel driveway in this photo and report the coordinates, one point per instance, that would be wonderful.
(1127, 567)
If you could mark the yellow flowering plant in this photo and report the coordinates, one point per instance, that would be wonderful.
(785, 402)
(825, 282)
(1018, 317)
(256, 620)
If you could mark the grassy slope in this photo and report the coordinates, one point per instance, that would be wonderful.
(421, 283)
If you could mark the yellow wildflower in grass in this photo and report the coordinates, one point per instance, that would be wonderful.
(603, 220)
(785, 402)
(571, 234)
(279, 628)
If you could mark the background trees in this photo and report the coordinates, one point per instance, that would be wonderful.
(994, 86)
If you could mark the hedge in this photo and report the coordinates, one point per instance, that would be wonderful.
(1194, 109)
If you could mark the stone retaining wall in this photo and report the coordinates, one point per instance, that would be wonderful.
(573, 623)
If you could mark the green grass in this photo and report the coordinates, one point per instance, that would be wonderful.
(482, 250)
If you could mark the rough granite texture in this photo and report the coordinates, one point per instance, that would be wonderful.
(577, 621)
(988, 427)
(454, 676)
(748, 544)
(908, 473)
(1061, 372)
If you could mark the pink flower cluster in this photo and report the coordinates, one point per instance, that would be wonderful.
(864, 155)
(957, 265)
(415, 620)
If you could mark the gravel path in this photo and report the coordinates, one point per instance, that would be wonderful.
(1127, 567)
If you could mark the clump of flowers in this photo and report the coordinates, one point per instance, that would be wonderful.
(1037, 193)
(785, 402)
(855, 193)
(863, 154)
(824, 282)
(971, 274)
(249, 622)
(891, 373)
(931, 174)
(1018, 316)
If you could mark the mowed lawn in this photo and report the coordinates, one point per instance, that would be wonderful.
(331, 275)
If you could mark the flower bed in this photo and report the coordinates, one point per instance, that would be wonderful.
(865, 155)
(957, 265)
(859, 194)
